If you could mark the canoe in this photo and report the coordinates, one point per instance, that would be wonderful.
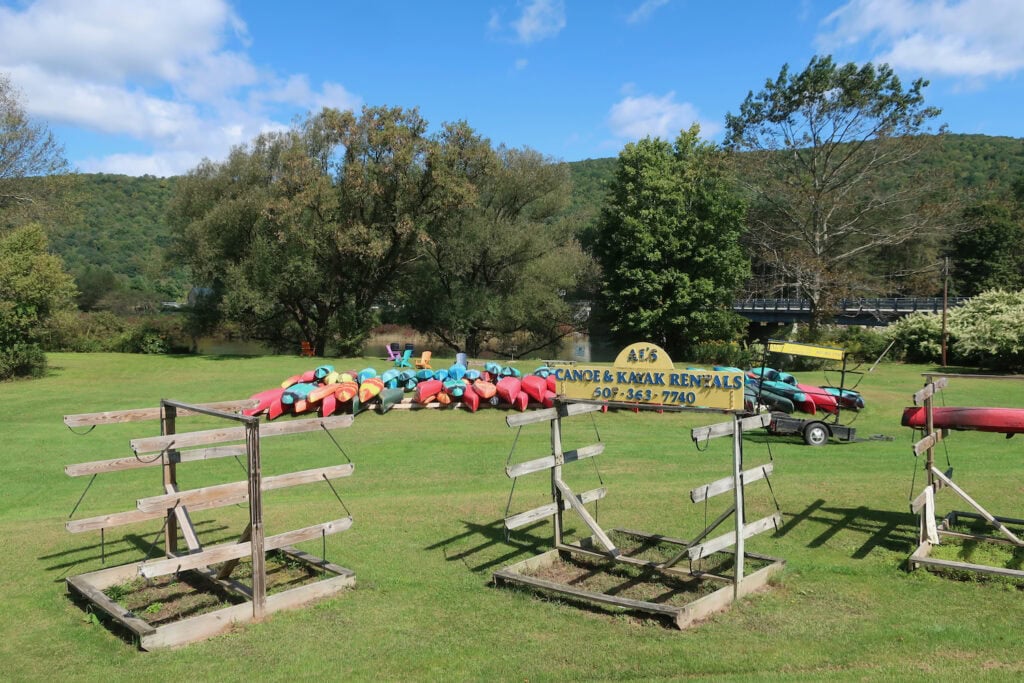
(307, 376)
(322, 371)
(321, 391)
(265, 398)
(327, 406)
(535, 387)
(454, 387)
(370, 388)
(300, 406)
(471, 400)
(847, 398)
(822, 399)
(275, 410)
(508, 388)
(390, 378)
(552, 383)
(542, 371)
(297, 392)
(1001, 420)
(486, 390)
(345, 391)
(457, 371)
(488, 376)
(493, 368)
(427, 390)
(424, 374)
(521, 401)
(440, 374)
(365, 374)
(444, 398)
(472, 375)
(348, 376)
(388, 398)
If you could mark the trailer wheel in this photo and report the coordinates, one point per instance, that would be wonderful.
(816, 434)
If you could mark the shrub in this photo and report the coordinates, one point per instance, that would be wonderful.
(989, 330)
(22, 360)
(918, 337)
(731, 354)
(862, 343)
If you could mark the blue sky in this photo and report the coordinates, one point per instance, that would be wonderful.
(154, 86)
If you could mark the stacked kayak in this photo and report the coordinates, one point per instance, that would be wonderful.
(782, 392)
(326, 391)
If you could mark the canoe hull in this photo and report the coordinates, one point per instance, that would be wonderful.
(999, 420)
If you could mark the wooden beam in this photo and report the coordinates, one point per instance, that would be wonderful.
(577, 505)
(116, 519)
(139, 414)
(966, 566)
(548, 414)
(982, 511)
(933, 387)
(134, 462)
(156, 444)
(222, 492)
(930, 441)
(726, 428)
(185, 524)
(230, 551)
(729, 539)
(547, 462)
(727, 483)
(122, 616)
(626, 603)
(530, 516)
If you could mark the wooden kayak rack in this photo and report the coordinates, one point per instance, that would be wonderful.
(169, 450)
(930, 532)
(599, 546)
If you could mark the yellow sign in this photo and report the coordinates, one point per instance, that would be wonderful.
(808, 350)
(644, 373)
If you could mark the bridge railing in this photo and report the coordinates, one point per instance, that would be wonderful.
(879, 305)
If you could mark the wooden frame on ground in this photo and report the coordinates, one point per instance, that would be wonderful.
(930, 533)
(174, 505)
(599, 544)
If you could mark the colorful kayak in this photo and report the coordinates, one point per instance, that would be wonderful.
(275, 410)
(297, 392)
(321, 391)
(265, 398)
(345, 391)
(536, 387)
(552, 383)
(388, 398)
(307, 376)
(822, 399)
(426, 390)
(508, 388)
(471, 400)
(327, 406)
(521, 401)
(369, 388)
(390, 378)
(847, 398)
(1000, 420)
(486, 390)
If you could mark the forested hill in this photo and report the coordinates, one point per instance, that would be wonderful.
(120, 229)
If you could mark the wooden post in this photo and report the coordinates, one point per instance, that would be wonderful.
(929, 428)
(259, 569)
(556, 473)
(740, 514)
(168, 414)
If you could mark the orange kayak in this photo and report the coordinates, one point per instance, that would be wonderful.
(484, 388)
(345, 391)
(370, 387)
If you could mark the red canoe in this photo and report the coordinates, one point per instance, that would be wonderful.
(1001, 420)
(427, 390)
(265, 398)
(485, 389)
(471, 400)
(328, 405)
(509, 388)
(521, 401)
(822, 399)
(535, 387)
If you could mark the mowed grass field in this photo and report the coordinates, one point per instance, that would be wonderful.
(428, 495)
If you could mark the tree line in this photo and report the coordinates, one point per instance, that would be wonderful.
(825, 187)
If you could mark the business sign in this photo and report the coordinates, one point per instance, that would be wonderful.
(644, 373)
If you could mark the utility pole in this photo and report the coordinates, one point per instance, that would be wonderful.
(945, 302)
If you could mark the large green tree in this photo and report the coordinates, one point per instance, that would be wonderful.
(494, 274)
(988, 251)
(33, 284)
(300, 234)
(826, 143)
(668, 243)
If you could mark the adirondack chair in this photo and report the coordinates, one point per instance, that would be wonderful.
(394, 351)
(424, 361)
(405, 360)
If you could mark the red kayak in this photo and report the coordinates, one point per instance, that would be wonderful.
(822, 399)
(275, 409)
(328, 404)
(552, 384)
(1000, 420)
(486, 390)
(521, 401)
(427, 390)
(535, 387)
(265, 398)
(509, 388)
(471, 400)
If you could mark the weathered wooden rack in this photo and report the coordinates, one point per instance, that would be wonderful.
(930, 532)
(167, 451)
(600, 545)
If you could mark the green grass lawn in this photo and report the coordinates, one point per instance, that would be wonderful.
(428, 495)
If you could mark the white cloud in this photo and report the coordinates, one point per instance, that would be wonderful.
(967, 38)
(635, 117)
(172, 74)
(540, 19)
(645, 10)
(521, 64)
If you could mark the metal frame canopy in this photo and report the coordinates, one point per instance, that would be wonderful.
(643, 374)
(645, 369)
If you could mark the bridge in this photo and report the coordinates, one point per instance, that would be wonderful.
(879, 311)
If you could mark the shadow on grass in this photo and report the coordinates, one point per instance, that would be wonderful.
(116, 552)
(895, 531)
(487, 536)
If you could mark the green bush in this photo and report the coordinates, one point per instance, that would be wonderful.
(862, 343)
(732, 354)
(22, 360)
(989, 330)
(105, 332)
(917, 337)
